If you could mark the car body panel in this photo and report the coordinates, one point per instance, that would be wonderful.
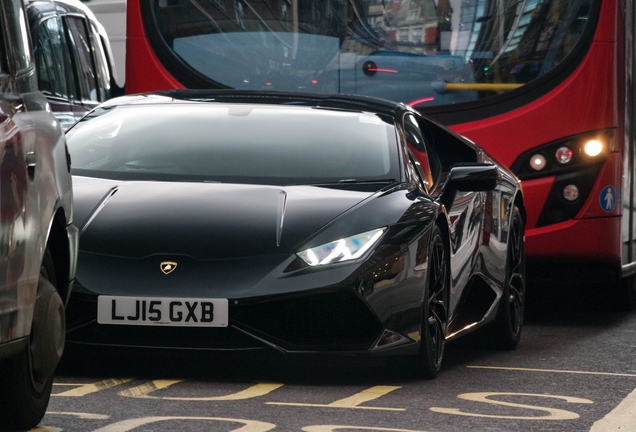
(254, 210)
(38, 242)
(35, 189)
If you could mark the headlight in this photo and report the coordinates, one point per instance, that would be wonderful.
(571, 192)
(565, 156)
(345, 249)
(538, 162)
(593, 148)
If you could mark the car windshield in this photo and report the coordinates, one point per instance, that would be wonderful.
(257, 144)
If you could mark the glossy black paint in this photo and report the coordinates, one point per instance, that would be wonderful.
(228, 243)
(248, 214)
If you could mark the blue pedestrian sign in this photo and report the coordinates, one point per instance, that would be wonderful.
(608, 198)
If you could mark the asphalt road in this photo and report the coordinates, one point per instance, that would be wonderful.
(575, 370)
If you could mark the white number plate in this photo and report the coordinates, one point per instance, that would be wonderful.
(167, 311)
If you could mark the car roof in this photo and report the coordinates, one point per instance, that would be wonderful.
(68, 7)
(343, 102)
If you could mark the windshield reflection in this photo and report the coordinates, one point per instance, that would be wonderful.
(422, 52)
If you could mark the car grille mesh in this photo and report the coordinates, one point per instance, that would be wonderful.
(217, 339)
(327, 321)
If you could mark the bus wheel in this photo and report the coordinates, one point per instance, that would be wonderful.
(26, 378)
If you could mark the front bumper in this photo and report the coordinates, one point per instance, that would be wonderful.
(329, 321)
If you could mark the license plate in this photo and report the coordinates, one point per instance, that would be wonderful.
(166, 311)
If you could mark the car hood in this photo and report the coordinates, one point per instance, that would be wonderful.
(202, 220)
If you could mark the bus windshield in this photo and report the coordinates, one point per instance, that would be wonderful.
(421, 52)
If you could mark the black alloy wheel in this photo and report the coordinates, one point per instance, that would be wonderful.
(509, 321)
(435, 312)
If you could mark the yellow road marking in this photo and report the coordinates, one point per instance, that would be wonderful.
(81, 415)
(332, 428)
(143, 391)
(84, 389)
(552, 413)
(552, 371)
(353, 401)
(333, 406)
(621, 418)
(130, 424)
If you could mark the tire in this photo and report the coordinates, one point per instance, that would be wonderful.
(428, 362)
(506, 330)
(26, 379)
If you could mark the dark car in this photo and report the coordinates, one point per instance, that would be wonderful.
(228, 220)
(38, 243)
(73, 58)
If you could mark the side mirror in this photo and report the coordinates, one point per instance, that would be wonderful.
(472, 178)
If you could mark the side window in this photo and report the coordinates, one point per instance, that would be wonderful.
(3, 48)
(415, 168)
(19, 43)
(447, 148)
(82, 58)
(425, 160)
(103, 75)
(49, 58)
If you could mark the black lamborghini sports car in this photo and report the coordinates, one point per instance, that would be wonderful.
(300, 223)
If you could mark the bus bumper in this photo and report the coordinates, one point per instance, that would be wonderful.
(578, 250)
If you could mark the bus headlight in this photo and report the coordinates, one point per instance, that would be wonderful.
(564, 155)
(571, 192)
(593, 148)
(538, 162)
(572, 165)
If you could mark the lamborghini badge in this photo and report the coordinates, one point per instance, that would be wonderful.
(168, 267)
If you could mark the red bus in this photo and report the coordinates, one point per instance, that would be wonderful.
(545, 86)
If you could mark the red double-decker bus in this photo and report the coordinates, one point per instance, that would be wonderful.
(545, 86)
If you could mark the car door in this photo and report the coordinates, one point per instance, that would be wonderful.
(465, 211)
(16, 153)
